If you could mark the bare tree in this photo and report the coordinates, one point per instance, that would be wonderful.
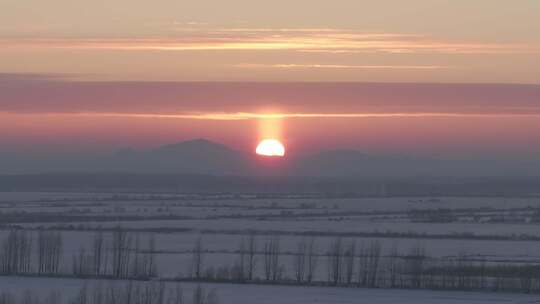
(349, 257)
(82, 296)
(335, 261)
(98, 295)
(241, 263)
(300, 260)
(82, 263)
(374, 257)
(201, 296)
(6, 298)
(15, 253)
(268, 259)
(150, 259)
(252, 251)
(272, 253)
(197, 259)
(49, 251)
(30, 297)
(176, 296)
(393, 266)
(312, 259)
(121, 253)
(98, 249)
(136, 266)
(416, 259)
(276, 253)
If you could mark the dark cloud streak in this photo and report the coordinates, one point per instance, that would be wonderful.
(34, 93)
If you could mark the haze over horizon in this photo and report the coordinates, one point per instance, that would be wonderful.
(384, 78)
(269, 152)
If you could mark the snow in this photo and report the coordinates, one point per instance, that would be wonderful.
(266, 294)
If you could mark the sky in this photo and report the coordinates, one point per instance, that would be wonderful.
(451, 79)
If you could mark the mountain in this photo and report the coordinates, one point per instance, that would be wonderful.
(201, 156)
(198, 156)
(353, 163)
(350, 163)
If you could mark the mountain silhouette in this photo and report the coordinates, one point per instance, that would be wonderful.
(201, 156)
(198, 156)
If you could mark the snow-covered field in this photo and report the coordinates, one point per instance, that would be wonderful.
(177, 221)
(264, 294)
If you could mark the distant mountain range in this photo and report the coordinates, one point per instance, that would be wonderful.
(201, 156)
(198, 156)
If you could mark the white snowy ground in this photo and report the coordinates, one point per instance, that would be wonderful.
(173, 263)
(259, 294)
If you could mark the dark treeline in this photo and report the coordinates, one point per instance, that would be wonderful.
(362, 264)
(272, 186)
(129, 293)
(344, 261)
(122, 255)
(383, 234)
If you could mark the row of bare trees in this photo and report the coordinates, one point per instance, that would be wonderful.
(130, 293)
(123, 255)
(349, 262)
(16, 252)
(343, 258)
(363, 264)
(126, 255)
(50, 246)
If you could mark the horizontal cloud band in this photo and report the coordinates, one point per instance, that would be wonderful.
(248, 116)
(310, 40)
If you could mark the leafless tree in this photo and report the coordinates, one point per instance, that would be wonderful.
(252, 251)
(335, 261)
(201, 296)
(137, 266)
(54, 297)
(349, 257)
(276, 253)
(300, 260)
(30, 297)
(82, 296)
(272, 253)
(149, 258)
(374, 252)
(462, 265)
(98, 295)
(15, 252)
(197, 259)
(121, 253)
(82, 263)
(49, 251)
(312, 259)
(176, 295)
(98, 253)
(368, 264)
(416, 260)
(6, 298)
(393, 266)
(241, 263)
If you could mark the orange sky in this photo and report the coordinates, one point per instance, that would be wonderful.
(302, 40)
(433, 77)
(447, 120)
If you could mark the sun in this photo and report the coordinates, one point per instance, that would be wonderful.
(270, 147)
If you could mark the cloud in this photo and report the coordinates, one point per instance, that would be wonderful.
(258, 116)
(323, 40)
(342, 66)
(244, 100)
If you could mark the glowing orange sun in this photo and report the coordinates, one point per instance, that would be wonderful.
(270, 147)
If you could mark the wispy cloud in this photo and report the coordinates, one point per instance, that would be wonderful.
(342, 66)
(304, 40)
(237, 116)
